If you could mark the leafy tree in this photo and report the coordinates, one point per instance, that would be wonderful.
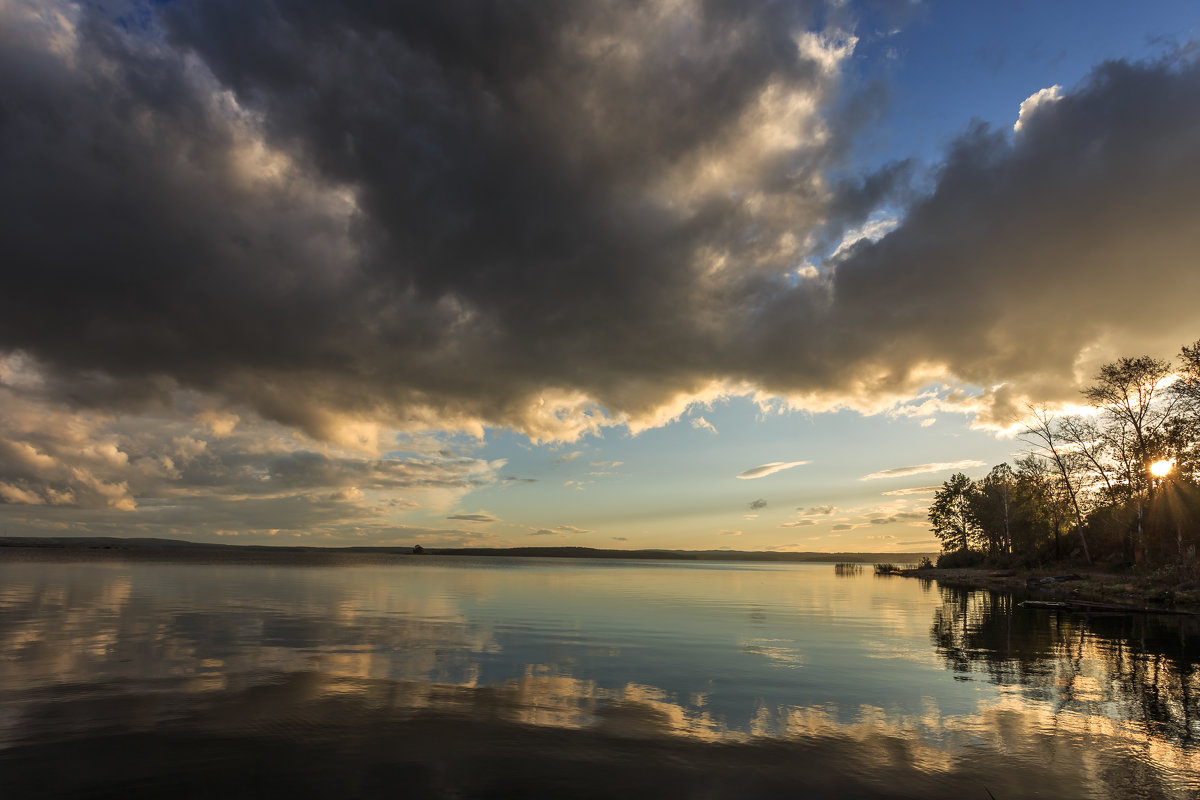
(1130, 393)
(1041, 506)
(992, 507)
(1183, 434)
(950, 515)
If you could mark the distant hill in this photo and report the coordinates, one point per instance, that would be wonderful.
(94, 543)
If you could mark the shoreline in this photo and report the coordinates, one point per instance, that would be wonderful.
(1153, 593)
(181, 549)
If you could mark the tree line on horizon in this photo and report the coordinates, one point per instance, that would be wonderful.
(1119, 485)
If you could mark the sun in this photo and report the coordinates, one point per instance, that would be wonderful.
(1160, 469)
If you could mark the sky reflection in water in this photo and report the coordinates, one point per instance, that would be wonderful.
(891, 673)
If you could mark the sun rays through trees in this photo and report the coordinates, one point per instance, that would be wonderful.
(1117, 483)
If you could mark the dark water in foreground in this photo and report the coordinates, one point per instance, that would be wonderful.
(450, 677)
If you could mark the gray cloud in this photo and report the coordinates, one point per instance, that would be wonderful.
(474, 517)
(757, 504)
(68, 469)
(900, 516)
(424, 214)
(821, 510)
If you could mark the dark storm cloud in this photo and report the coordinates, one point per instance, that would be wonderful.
(1077, 231)
(547, 215)
(356, 209)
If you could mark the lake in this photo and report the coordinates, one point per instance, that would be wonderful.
(432, 676)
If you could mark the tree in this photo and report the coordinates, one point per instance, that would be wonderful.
(1040, 507)
(1044, 435)
(1183, 434)
(1130, 393)
(950, 514)
(991, 506)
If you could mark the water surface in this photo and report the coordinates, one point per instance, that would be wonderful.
(493, 677)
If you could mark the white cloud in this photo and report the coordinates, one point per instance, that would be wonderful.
(701, 424)
(918, 469)
(870, 231)
(764, 470)
(912, 490)
(1031, 104)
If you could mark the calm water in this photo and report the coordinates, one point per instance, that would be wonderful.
(510, 677)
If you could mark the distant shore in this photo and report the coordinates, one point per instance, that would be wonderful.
(93, 547)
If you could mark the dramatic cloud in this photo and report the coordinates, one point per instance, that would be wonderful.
(764, 470)
(422, 215)
(918, 469)
(425, 214)
(351, 219)
(166, 473)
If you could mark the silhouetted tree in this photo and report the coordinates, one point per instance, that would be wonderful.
(991, 505)
(1041, 508)
(1138, 416)
(950, 514)
(1045, 436)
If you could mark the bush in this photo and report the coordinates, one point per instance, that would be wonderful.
(959, 559)
(925, 563)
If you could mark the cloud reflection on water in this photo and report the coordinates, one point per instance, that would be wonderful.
(239, 651)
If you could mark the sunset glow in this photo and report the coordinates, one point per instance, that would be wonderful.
(1160, 469)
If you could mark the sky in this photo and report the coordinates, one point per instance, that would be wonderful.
(690, 274)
